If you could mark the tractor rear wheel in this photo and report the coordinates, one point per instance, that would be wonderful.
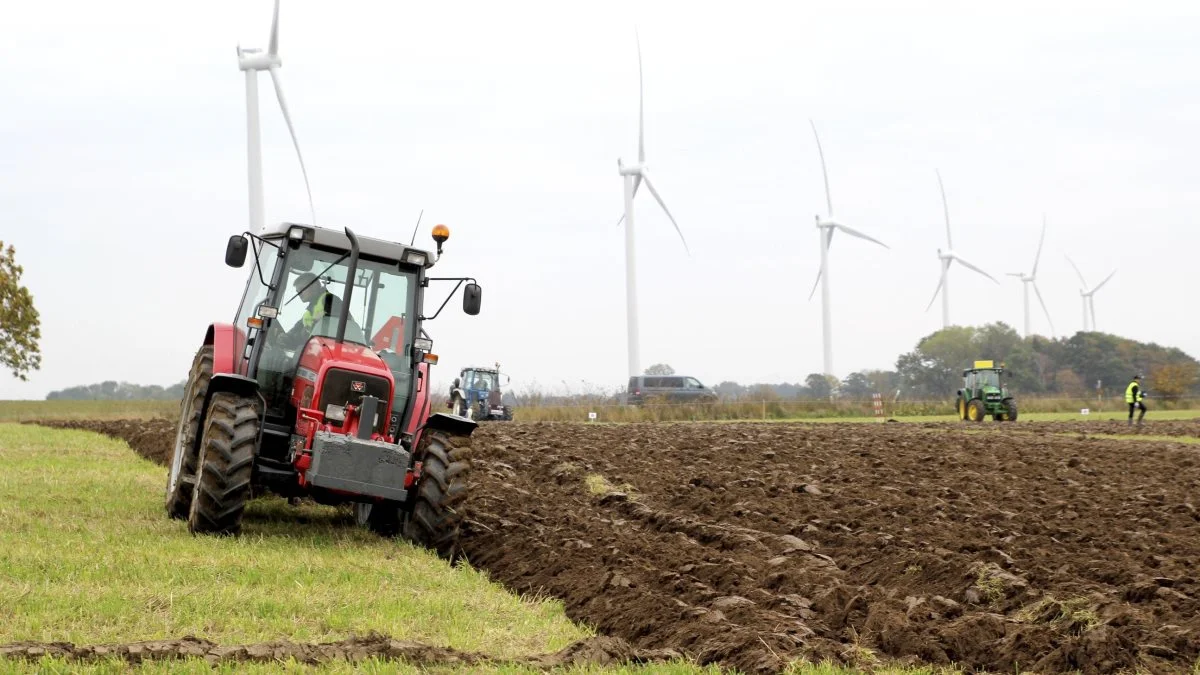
(227, 451)
(975, 410)
(181, 473)
(436, 515)
(1012, 410)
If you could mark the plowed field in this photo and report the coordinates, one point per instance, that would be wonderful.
(750, 545)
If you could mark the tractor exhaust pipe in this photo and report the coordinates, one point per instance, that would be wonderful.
(350, 274)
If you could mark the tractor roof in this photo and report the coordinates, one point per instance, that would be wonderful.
(371, 246)
(481, 369)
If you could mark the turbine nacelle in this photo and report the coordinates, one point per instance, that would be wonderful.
(630, 169)
(257, 59)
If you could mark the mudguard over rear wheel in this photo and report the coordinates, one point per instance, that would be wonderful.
(435, 518)
(181, 472)
(227, 450)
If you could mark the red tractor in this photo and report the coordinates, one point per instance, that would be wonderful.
(320, 389)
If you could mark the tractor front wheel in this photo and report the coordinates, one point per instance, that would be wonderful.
(1012, 410)
(181, 474)
(975, 410)
(435, 518)
(962, 409)
(227, 451)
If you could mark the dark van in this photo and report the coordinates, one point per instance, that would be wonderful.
(669, 389)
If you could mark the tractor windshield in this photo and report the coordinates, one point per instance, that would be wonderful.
(380, 316)
(988, 378)
(483, 380)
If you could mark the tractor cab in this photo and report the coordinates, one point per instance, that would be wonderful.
(984, 393)
(476, 394)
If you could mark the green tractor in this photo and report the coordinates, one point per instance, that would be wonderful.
(983, 394)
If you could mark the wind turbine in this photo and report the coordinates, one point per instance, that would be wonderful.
(633, 176)
(1087, 296)
(825, 229)
(949, 257)
(1031, 280)
(251, 61)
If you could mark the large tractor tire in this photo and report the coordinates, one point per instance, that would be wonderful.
(1011, 415)
(975, 410)
(962, 409)
(435, 516)
(181, 473)
(227, 450)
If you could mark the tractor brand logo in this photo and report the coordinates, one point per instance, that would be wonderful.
(356, 385)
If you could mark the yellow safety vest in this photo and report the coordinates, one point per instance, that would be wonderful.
(1129, 392)
(314, 312)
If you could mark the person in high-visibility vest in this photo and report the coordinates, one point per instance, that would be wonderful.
(1134, 396)
(312, 292)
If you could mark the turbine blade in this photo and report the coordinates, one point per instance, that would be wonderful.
(1076, 271)
(637, 182)
(855, 233)
(641, 107)
(826, 239)
(945, 209)
(273, 49)
(972, 267)
(657, 198)
(1044, 310)
(941, 280)
(1103, 282)
(824, 172)
(295, 142)
(1041, 241)
(1014, 274)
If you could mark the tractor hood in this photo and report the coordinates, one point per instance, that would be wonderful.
(347, 354)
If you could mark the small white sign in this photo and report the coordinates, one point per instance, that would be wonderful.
(1084, 411)
(591, 417)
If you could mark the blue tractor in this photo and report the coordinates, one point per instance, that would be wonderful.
(476, 395)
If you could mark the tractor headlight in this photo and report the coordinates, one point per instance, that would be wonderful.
(423, 344)
(415, 258)
(336, 413)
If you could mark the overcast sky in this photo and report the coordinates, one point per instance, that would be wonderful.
(123, 171)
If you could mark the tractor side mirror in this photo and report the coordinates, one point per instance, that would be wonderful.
(472, 298)
(235, 251)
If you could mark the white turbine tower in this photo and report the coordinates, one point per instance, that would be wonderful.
(633, 176)
(825, 229)
(1087, 296)
(251, 61)
(1030, 279)
(949, 257)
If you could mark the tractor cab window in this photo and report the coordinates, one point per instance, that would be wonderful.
(970, 384)
(484, 381)
(379, 317)
(257, 287)
(989, 378)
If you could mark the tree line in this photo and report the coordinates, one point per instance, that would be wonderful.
(119, 391)
(1085, 364)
